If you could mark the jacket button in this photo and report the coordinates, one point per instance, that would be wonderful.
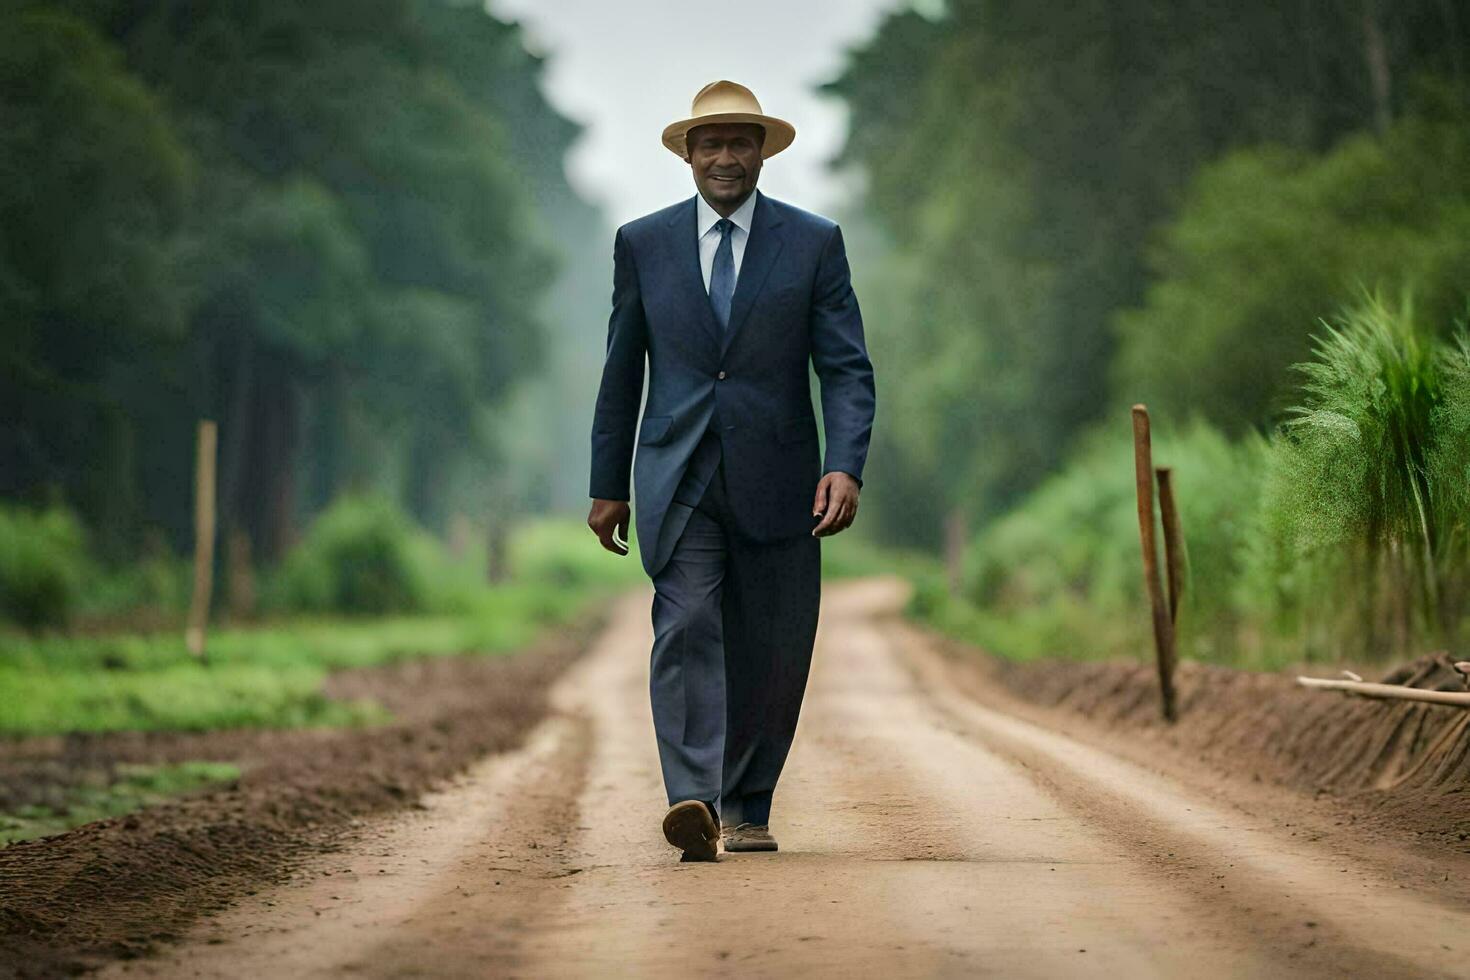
(721, 376)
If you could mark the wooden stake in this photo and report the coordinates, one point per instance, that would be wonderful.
(203, 538)
(1163, 625)
(956, 536)
(1173, 541)
(1395, 691)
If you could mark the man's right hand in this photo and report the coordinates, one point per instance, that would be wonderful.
(609, 521)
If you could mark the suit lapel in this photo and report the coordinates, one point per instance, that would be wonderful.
(761, 249)
(684, 247)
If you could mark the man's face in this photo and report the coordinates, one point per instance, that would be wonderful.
(726, 159)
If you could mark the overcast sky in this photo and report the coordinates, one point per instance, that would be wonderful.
(628, 68)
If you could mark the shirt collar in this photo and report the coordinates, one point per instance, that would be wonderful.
(708, 215)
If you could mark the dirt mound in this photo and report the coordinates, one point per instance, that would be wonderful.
(1404, 763)
(117, 887)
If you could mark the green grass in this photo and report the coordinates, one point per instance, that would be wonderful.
(1061, 626)
(131, 788)
(271, 675)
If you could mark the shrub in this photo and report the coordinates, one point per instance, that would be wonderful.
(358, 557)
(155, 587)
(43, 563)
(1066, 561)
(568, 556)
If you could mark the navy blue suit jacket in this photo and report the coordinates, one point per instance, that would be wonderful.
(793, 306)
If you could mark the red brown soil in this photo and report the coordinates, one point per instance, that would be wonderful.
(117, 888)
(1395, 769)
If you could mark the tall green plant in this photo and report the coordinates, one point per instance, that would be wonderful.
(1362, 496)
(1449, 474)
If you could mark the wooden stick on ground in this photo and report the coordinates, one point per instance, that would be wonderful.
(203, 539)
(1371, 690)
(1163, 625)
(1173, 541)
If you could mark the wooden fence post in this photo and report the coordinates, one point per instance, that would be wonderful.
(1173, 541)
(956, 536)
(203, 538)
(1163, 625)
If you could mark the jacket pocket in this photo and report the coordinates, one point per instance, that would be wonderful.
(655, 429)
(797, 429)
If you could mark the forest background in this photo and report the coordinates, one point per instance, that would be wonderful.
(344, 232)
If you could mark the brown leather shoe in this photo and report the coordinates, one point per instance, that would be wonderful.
(690, 827)
(749, 837)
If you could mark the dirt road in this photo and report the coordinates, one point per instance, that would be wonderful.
(921, 835)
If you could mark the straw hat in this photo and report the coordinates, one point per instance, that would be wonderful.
(729, 102)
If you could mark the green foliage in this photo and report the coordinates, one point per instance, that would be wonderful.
(271, 676)
(357, 558)
(1060, 573)
(1344, 535)
(93, 181)
(1266, 243)
(156, 587)
(324, 220)
(1448, 459)
(564, 554)
(43, 565)
(51, 580)
(178, 695)
(113, 794)
(364, 556)
(1354, 459)
(1367, 499)
(1017, 160)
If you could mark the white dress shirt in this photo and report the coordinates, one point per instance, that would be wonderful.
(709, 237)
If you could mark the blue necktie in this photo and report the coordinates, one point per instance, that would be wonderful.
(722, 275)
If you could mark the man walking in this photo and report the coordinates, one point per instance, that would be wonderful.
(729, 295)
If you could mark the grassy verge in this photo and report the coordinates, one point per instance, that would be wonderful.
(271, 675)
(1018, 634)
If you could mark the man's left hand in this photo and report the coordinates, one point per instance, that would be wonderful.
(836, 503)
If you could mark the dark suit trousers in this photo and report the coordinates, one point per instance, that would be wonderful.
(734, 622)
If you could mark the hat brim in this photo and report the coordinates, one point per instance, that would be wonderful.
(779, 132)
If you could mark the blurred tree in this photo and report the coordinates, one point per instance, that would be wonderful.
(421, 179)
(545, 432)
(1270, 240)
(93, 179)
(1018, 156)
(309, 221)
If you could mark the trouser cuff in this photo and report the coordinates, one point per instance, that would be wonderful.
(752, 808)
